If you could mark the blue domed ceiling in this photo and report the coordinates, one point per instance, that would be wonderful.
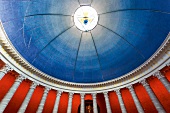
(128, 33)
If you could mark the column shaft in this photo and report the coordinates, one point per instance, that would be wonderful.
(82, 103)
(163, 80)
(27, 98)
(165, 83)
(70, 102)
(55, 110)
(107, 102)
(10, 93)
(122, 106)
(94, 103)
(41, 106)
(151, 94)
(135, 98)
(1, 75)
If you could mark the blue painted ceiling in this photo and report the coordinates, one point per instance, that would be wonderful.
(127, 34)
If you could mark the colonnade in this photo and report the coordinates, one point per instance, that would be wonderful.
(4, 102)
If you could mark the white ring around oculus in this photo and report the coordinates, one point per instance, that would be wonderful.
(85, 18)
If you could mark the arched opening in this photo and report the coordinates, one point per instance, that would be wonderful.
(89, 107)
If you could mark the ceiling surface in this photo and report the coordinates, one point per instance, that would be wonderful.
(128, 33)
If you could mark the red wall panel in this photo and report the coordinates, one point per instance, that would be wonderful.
(128, 101)
(144, 99)
(1, 64)
(161, 93)
(18, 98)
(167, 74)
(35, 100)
(76, 102)
(114, 102)
(88, 97)
(5, 84)
(63, 103)
(50, 101)
(101, 103)
(166, 71)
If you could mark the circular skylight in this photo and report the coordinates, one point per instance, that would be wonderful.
(85, 18)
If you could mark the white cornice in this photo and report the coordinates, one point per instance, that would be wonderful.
(11, 57)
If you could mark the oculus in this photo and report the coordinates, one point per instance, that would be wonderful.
(85, 18)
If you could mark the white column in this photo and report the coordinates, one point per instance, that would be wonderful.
(94, 103)
(10, 93)
(82, 103)
(151, 94)
(107, 102)
(27, 98)
(135, 98)
(163, 80)
(122, 106)
(4, 71)
(55, 109)
(41, 106)
(70, 102)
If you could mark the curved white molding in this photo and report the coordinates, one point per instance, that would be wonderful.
(11, 57)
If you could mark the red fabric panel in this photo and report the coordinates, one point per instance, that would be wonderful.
(128, 101)
(161, 93)
(101, 103)
(35, 100)
(18, 98)
(50, 101)
(166, 71)
(1, 64)
(76, 102)
(88, 97)
(63, 103)
(114, 102)
(144, 99)
(167, 74)
(5, 84)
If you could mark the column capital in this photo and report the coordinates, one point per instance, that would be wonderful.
(94, 95)
(47, 89)
(158, 74)
(105, 94)
(118, 92)
(130, 87)
(59, 93)
(20, 78)
(6, 68)
(71, 94)
(82, 95)
(144, 83)
(34, 85)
